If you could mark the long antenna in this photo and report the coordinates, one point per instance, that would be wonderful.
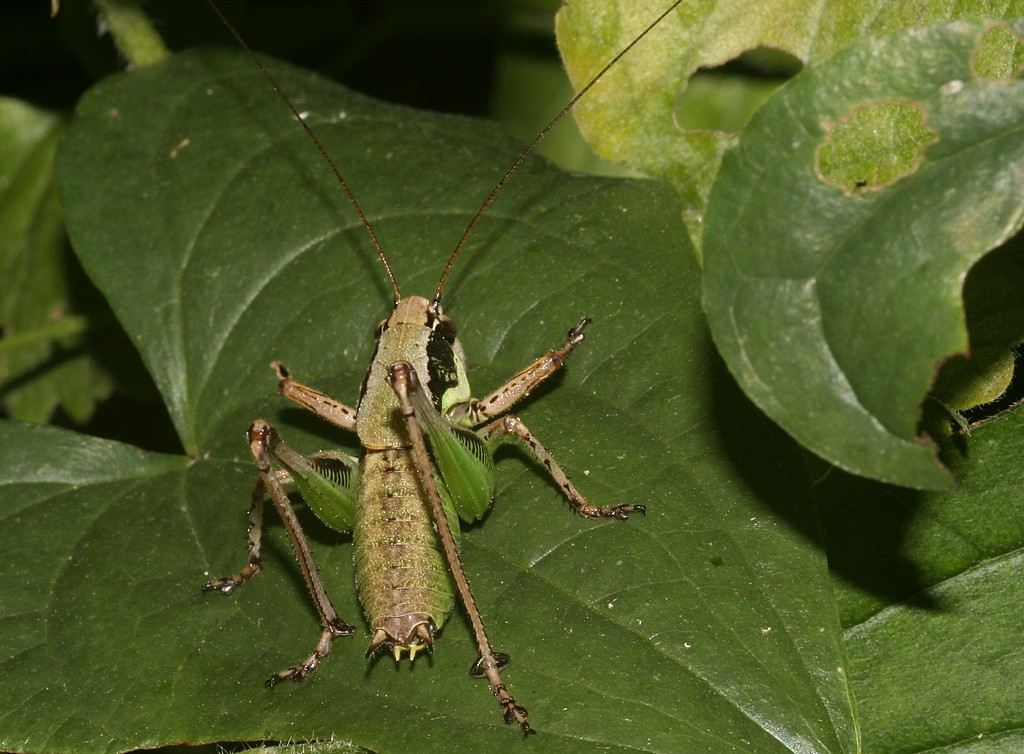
(320, 147)
(436, 304)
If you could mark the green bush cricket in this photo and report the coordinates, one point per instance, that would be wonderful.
(427, 463)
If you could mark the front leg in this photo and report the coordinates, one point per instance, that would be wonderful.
(477, 411)
(513, 427)
(319, 403)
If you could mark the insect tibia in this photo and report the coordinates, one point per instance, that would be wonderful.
(228, 584)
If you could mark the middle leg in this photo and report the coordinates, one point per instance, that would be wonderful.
(513, 427)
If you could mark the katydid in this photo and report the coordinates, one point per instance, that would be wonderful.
(427, 464)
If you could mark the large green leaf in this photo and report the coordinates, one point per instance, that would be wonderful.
(841, 228)
(709, 625)
(221, 242)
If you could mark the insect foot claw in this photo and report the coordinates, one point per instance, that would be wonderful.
(271, 683)
(621, 512)
(576, 333)
(229, 584)
(332, 630)
(224, 586)
(513, 712)
(618, 512)
(295, 675)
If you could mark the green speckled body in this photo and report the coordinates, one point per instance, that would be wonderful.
(404, 582)
(401, 574)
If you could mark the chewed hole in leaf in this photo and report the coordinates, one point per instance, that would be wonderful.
(875, 145)
(999, 54)
(725, 97)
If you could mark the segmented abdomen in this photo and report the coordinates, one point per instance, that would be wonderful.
(401, 574)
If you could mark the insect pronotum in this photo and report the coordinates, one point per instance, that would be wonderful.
(427, 462)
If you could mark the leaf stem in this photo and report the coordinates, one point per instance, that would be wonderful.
(132, 31)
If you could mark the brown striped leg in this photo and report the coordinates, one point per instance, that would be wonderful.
(264, 442)
(410, 396)
(512, 426)
(319, 403)
(478, 411)
(228, 584)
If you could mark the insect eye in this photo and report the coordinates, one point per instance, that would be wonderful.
(449, 324)
(380, 328)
